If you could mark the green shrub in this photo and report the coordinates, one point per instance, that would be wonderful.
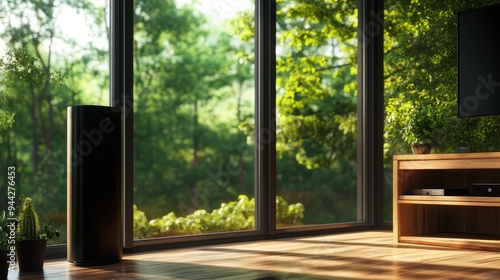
(231, 216)
(288, 215)
(141, 224)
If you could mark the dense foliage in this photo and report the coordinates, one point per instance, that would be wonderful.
(316, 106)
(234, 215)
(190, 99)
(316, 82)
(42, 72)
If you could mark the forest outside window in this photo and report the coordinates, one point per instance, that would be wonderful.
(46, 66)
(316, 108)
(193, 118)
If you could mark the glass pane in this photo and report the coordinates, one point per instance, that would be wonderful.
(47, 65)
(316, 112)
(421, 81)
(193, 109)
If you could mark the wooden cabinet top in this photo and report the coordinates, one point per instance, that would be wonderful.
(448, 161)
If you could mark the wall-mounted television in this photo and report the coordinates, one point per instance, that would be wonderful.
(479, 62)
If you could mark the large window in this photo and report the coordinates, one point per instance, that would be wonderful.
(316, 111)
(205, 95)
(47, 65)
(193, 118)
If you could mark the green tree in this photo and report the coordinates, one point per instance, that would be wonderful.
(316, 105)
(36, 142)
(6, 118)
(317, 81)
(188, 106)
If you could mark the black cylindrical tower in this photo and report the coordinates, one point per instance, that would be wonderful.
(94, 185)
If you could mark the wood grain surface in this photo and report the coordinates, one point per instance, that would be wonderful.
(360, 255)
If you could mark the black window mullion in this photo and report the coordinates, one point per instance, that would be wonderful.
(121, 95)
(265, 114)
(370, 111)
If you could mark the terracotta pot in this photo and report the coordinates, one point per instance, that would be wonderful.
(421, 148)
(31, 254)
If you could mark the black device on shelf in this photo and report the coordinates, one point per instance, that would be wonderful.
(486, 189)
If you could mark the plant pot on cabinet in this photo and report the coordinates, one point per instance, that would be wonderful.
(31, 254)
(419, 149)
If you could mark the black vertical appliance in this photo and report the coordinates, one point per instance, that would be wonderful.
(94, 184)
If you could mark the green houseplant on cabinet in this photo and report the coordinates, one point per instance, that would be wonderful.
(32, 239)
(423, 129)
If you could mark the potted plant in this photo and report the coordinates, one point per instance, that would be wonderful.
(423, 129)
(32, 239)
(4, 246)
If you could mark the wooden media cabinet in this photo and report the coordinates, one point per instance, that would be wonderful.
(462, 221)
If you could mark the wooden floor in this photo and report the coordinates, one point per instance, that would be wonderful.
(361, 255)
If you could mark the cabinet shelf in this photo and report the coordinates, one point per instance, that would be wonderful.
(450, 200)
(465, 241)
(454, 221)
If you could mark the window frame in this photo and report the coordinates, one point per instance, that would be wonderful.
(370, 129)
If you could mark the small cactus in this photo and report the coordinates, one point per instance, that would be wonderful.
(28, 226)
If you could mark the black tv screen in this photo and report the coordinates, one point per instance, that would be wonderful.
(479, 62)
